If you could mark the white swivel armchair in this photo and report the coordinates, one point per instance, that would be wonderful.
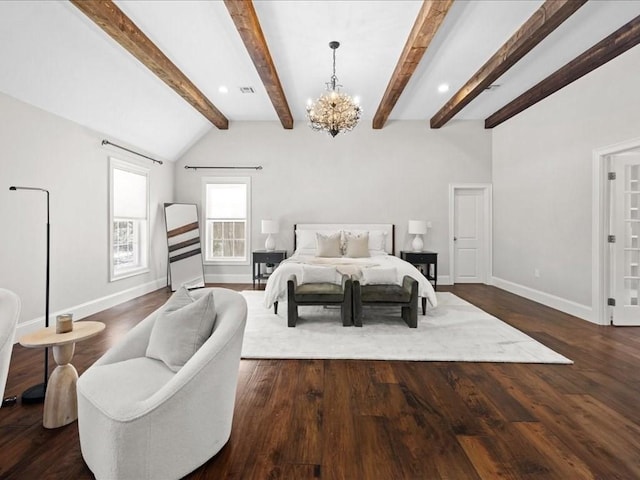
(138, 419)
(9, 313)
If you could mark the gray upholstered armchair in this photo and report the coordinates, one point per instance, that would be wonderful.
(319, 294)
(405, 296)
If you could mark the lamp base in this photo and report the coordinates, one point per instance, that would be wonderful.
(34, 394)
(417, 243)
(270, 243)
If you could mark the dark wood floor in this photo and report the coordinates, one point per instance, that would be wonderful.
(335, 419)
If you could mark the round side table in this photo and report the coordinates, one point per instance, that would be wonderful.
(61, 401)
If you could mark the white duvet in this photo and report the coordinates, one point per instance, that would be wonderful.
(276, 289)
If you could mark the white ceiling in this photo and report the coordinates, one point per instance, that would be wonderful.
(55, 58)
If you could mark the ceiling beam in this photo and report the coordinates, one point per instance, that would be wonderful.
(615, 44)
(114, 22)
(544, 21)
(246, 20)
(427, 23)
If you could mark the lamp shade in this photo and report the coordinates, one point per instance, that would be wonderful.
(269, 226)
(417, 227)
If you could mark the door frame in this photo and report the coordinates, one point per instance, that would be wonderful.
(487, 250)
(600, 256)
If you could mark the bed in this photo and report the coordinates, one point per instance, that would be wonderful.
(308, 252)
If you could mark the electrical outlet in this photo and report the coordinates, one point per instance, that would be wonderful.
(536, 272)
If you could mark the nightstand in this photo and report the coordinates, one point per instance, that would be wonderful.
(265, 256)
(426, 259)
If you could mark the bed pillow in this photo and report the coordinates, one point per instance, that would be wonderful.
(305, 239)
(316, 274)
(328, 244)
(377, 239)
(178, 333)
(356, 245)
(379, 276)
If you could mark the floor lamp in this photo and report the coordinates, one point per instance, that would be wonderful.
(36, 393)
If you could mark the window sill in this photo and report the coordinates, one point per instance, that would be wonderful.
(129, 273)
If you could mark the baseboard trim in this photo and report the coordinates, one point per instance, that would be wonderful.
(86, 309)
(567, 306)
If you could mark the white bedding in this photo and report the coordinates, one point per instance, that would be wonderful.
(276, 289)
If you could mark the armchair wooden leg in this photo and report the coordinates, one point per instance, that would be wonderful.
(275, 308)
(424, 305)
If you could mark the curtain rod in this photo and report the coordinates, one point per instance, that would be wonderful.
(107, 142)
(259, 167)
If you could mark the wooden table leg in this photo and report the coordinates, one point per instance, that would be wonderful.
(61, 400)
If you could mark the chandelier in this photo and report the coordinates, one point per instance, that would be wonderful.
(334, 112)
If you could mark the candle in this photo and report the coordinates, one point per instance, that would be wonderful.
(64, 323)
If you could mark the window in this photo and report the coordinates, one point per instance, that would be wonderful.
(226, 224)
(129, 214)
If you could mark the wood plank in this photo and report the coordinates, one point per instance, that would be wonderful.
(428, 21)
(118, 26)
(607, 49)
(435, 420)
(544, 21)
(246, 21)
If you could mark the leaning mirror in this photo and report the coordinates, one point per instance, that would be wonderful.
(183, 240)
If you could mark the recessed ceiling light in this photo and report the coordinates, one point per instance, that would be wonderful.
(247, 90)
(443, 87)
(223, 89)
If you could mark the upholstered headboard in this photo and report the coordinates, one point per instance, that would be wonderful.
(388, 228)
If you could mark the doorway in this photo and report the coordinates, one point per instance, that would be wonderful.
(470, 241)
(617, 259)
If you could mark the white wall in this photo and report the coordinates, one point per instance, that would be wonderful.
(43, 150)
(391, 175)
(542, 183)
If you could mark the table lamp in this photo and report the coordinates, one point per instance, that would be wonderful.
(417, 228)
(270, 227)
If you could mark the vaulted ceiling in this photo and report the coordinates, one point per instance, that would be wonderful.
(150, 73)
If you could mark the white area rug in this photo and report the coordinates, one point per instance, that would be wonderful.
(454, 331)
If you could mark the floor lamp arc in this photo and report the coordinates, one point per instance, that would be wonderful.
(36, 393)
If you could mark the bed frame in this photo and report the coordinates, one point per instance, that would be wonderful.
(390, 228)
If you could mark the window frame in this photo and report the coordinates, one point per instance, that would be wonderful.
(225, 180)
(118, 164)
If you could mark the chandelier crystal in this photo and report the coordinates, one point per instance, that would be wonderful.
(334, 112)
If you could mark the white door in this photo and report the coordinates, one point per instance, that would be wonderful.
(625, 252)
(468, 235)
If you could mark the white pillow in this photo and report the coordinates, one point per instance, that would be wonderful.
(379, 276)
(329, 245)
(305, 239)
(306, 251)
(377, 238)
(313, 274)
(179, 332)
(356, 245)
